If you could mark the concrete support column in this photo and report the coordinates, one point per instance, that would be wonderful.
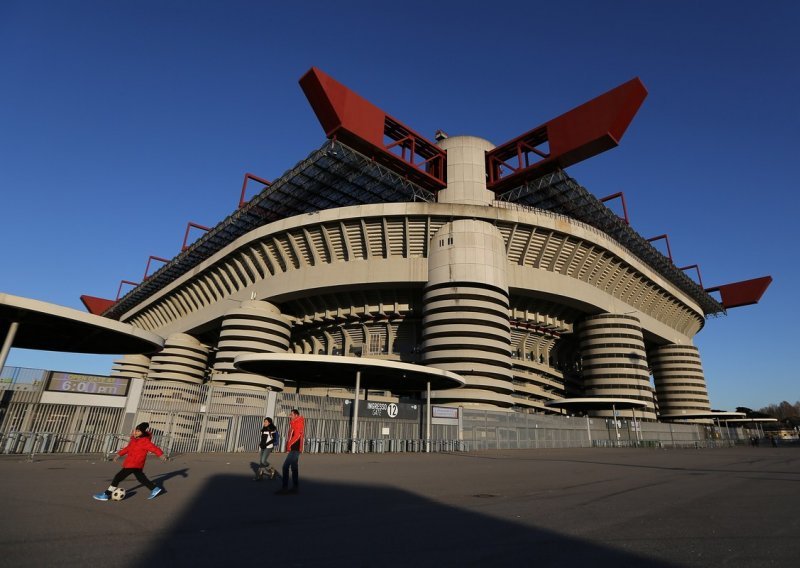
(174, 384)
(131, 367)
(679, 379)
(184, 360)
(614, 362)
(465, 314)
(466, 171)
(253, 327)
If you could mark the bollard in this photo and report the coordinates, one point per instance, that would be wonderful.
(30, 440)
(48, 443)
(12, 441)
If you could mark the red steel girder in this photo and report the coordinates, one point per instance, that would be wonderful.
(189, 225)
(247, 177)
(697, 268)
(744, 293)
(95, 305)
(669, 249)
(147, 268)
(350, 118)
(621, 197)
(121, 282)
(583, 132)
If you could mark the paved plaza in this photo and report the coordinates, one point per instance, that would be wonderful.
(590, 507)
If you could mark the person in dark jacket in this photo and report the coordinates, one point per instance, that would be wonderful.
(294, 445)
(135, 454)
(266, 444)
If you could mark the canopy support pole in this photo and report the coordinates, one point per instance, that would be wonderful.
(12, 332)
(428, 418)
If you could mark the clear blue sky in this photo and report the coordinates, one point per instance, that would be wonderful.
(121, 121)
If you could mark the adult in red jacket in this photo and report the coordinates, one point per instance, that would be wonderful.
(294, 445)
(135, 454)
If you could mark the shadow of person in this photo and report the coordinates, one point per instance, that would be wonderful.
(162, 477)
(170, 474)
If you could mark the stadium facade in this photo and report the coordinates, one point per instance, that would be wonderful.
(487, 261)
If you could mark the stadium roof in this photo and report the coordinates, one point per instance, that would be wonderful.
(330, 177)
(560, 193)
(335, 175)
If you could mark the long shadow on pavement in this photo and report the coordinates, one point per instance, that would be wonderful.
(236, 521)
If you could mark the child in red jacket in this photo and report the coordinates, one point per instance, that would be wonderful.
(136, 453)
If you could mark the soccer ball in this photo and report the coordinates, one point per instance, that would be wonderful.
(118, 494)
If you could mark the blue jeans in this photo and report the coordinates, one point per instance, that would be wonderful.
(291, 461)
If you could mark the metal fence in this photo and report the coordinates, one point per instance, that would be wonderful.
(213, 418)
(484, 430)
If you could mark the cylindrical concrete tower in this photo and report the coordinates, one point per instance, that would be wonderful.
(465, 305)
(254, 327)
(614, 362)
(131, 367)
(465, 314)
(678, 376)
(184, 359)
(175, 380)
(466, 171)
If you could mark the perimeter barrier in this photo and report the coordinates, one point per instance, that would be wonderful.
(106, 445)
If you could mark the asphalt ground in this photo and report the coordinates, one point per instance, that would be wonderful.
(594, 507)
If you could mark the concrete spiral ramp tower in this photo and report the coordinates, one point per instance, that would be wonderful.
(254, 327)
(614, 362)
(131, 367)
(679, 379)
(465, 314)
(184, 360)
(466, 326)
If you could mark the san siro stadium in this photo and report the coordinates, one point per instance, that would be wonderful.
(488, 262)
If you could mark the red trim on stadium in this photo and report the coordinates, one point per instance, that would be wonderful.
(583, 132)
(744, 293)
(346, 116)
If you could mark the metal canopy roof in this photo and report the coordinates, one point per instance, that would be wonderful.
(560, 193)
(46, 326)
(330, 177)
(700, 414)
(597, 403)
(335, 370)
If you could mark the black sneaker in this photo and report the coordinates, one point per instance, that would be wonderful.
(282, 491)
